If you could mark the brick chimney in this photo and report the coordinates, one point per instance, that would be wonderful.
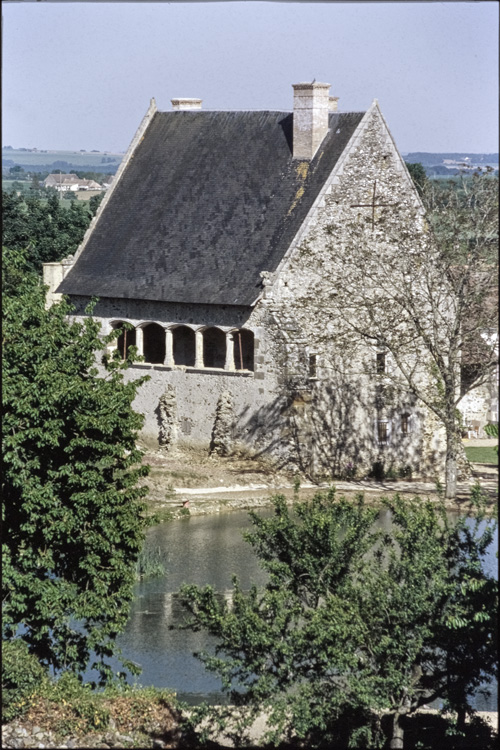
(310, 117)
(186, 104)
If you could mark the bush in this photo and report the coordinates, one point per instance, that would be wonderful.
(22, 676)
(78, 708)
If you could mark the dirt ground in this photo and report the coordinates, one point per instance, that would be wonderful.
(206, 484)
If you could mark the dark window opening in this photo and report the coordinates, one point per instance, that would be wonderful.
(214, 348)
(125, 340)
(243, 350)
(405, 424)
(380, 363)
(382, 432)
(184, 346)
(154, 343)
(468, 375)
(313, 365)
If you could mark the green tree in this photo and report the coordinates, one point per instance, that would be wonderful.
(352, 623)
(73, 513)
(48, 231)
(418, 175)
(95, 202)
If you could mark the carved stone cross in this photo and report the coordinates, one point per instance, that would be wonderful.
(373, 205)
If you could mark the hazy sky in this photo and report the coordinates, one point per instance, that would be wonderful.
(80, 75)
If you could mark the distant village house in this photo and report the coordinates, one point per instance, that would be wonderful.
(65, 182)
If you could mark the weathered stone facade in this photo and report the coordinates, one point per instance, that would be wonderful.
(301, 388)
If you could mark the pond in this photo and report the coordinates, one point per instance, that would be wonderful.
(201, 550)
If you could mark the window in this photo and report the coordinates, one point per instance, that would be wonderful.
(405, 424)
(243, 349)
(382, 431)
(154, 343)
(313, 365)
(184, 346)
(469, 373)
(380, 363)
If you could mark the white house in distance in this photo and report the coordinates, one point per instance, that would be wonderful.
(208, 243)
(66, 182)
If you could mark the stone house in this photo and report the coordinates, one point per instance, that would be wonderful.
(207, 243)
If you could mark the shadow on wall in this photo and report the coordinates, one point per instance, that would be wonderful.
(314, 428)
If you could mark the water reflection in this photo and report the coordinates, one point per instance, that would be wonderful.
(201, 550)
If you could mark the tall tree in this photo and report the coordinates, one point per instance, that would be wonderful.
(72, 504)
(421, 295)
(352, 623)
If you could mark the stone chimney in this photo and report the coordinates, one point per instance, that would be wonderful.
(186, 104)
(333, 103)
(310, 117)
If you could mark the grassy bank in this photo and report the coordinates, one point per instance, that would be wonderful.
(486, 454)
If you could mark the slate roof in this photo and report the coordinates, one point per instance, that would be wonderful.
(208, 201)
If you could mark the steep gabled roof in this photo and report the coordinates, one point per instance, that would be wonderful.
(207, 202)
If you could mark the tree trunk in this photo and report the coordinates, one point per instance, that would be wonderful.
(451, 459)
(451, 473)
(397, 733)
(461, 719)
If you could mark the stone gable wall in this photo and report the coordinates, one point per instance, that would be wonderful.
(332, 420)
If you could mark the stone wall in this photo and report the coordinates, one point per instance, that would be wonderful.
(331, 419)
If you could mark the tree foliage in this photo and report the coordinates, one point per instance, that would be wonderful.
(72, 507)
(418, 175)
(353, 622)
(47, 230)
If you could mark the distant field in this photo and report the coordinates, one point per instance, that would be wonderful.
(75, 158)
(482, 454)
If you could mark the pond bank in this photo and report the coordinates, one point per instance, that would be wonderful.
(189, 483)
(19, 734)
(184, 501)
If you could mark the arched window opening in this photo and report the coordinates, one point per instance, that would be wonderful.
(125, 340)
(243, 349)
(214, 348)
(154, 343)
(184, 346)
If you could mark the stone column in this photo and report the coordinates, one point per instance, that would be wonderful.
(169, 348)
(229, 363)
(139, 340)
(199, 350)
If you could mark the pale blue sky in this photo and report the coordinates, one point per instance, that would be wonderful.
(80, 75)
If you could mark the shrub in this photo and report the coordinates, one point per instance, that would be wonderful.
(22, 676)
(79, 708)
